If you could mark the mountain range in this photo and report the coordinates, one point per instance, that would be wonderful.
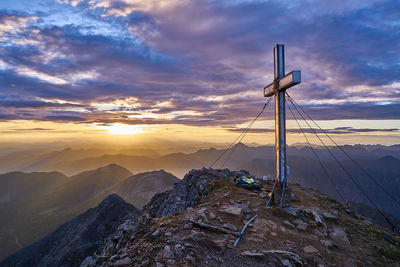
(34, 204)
(73, 161)
(198, 223)
(48, 197)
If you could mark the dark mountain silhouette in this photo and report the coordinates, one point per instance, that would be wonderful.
(59, 156)
(19, 186)
(74, 161)
(35, 204)
(140, 188)
(76, 239)
(85, 186)
(17, 190)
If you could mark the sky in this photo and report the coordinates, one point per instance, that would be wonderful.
(195, 70)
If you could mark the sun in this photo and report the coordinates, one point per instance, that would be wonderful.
(122, 129)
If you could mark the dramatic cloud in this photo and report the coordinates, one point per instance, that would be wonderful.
(196, 62)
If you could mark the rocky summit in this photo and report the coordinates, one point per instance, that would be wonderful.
(198, 221)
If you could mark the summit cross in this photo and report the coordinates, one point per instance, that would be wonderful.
(278, 88)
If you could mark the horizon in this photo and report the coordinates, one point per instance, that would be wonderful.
(135, 71)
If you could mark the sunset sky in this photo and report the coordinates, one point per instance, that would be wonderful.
(195, 70)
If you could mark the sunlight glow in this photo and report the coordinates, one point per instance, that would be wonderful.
(122, 129)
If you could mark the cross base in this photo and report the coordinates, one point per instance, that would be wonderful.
(277, 194)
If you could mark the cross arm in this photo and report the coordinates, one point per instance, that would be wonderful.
(285, 82)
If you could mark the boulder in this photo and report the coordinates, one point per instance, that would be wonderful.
(310, 249)
(339, 235)
(168, 252)
(231, 210)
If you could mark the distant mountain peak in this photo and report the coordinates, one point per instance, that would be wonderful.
(117, 171)
(241, 145)
(389, 158)
(111, 200)
(112, 166)
(67, 149)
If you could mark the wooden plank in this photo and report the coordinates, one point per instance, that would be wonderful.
(287, 81)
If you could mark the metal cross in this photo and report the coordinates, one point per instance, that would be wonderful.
(278, 88)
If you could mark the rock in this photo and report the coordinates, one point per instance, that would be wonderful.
(300, 225)
(190, 259)
(114, 258)
(291, 211)
(284, 256)
(168, 234)
(226, 194)
(201, 211)
(287, 223)
(330, 216)
(168, 252)
(286, 263)
(317, 217)
(188, 226)
(156, 233)
(255, 239)
(339, 235)
(115, 238)
(171, 262)
(252, 254)
(293, 197)
(244, 208)
(211, 215)
(230, 227)
(310, 249)
(327, 243)
(348, 211)
(122, 262)
(88, 261)
(184, 194)
(219, 245)
(178, 251)
(231, 210)
(125, 227)
(270, 223)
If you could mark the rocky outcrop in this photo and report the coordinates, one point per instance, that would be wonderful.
(71, 243)
(194, 185)
(198, 221)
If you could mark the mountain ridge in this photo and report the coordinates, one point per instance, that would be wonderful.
(72, 241)
(69, 197)
(197, 222)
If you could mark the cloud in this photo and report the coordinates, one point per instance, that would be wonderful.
(32, 104)
(14, 23)
(207, 61)
(22, 130)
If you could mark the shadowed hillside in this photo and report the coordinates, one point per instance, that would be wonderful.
(34, 204)
(74, 240)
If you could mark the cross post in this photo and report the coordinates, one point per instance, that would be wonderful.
(278, 88)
